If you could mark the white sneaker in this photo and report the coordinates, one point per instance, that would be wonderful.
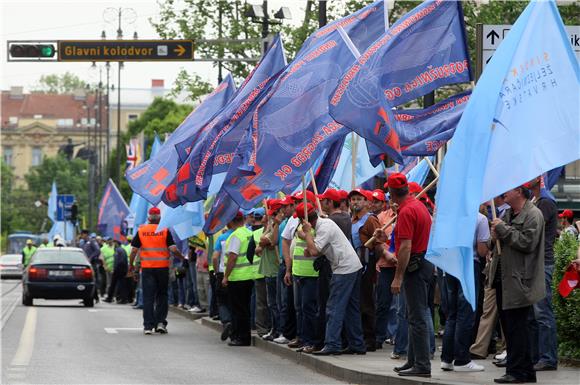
(281, 340)
(446, 366)
(501, 356)
(195, 309)
(267, 335)
(470, 367)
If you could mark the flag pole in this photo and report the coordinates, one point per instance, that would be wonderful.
(353, 154)
(304, 198)
(393, 219)
(315, 192)
(432, 167)
(494, 216)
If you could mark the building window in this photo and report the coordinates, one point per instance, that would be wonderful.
(132, 117)
(36, 156)
(64, 123)
(7, 155)
(13, 120)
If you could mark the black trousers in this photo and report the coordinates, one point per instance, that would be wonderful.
(119, 285)
(240, 295)
(514, 323)
(367, 302)
(213, 305)
(324, 276)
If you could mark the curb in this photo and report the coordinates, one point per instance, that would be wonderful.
(186, 314)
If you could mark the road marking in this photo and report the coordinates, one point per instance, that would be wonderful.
(8, 312)
(26, 344)
(116, 330)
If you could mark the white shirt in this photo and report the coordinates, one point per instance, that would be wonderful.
(234, 246)
(331, 241)
(290, 228)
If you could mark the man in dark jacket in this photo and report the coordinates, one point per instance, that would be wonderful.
(517, 273)
(119, 276)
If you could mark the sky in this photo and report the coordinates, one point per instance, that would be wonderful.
(84, 20)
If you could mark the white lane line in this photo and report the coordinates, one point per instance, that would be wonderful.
(116, 330)
(8, 312)
(26, 344)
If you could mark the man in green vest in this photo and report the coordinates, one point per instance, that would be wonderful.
(27, 252)
(108, 253)
(305, 283)
(262, 315)
(43, 244)
(239, 280)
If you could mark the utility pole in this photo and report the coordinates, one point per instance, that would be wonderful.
(322, 20)
(265, 26)
(119, 37)
(220, 36)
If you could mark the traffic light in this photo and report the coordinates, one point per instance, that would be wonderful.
(32, 50)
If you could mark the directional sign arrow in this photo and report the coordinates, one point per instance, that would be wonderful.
(180, 50)
(494, 35)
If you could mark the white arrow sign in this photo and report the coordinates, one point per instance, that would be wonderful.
(116, 330)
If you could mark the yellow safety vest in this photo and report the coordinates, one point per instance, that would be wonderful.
(257, 234)
(302, 266)
(108, 255)
(28, 254)
(243, 269)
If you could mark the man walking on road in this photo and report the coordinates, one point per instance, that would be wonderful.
(27, 252)
(154, 251)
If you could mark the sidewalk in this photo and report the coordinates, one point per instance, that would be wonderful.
(377, 367)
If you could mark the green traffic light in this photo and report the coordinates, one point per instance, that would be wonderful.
(46, 51)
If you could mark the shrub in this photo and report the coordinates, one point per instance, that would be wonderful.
(567, 310)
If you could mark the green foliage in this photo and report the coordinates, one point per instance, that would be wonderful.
(59, 84)
(567, 310)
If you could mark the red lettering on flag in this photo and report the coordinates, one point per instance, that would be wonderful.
(170, 192)
(392, 140)
(251, 191)
(161, 174)
(183, 173)
(158, 189)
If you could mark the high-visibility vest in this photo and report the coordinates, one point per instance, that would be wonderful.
(127, 249)
(42, 246)
(243, 269)
(257, 234)
(153, 251)
(108, 255)
(28, 251)
(302, 266)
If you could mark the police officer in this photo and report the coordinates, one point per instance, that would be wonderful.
(154, 252)
(27, 252)
(238, 278)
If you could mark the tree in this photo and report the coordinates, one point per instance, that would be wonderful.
(59, 84)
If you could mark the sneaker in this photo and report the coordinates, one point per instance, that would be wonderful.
(397, 356)
(470, 367)
(501, 356)
(227, 330)
(446, 366)
(148, 332)
(196, 309)
(161, 329)
(281, 340)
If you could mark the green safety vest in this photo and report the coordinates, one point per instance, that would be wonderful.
(109, 256)
(28, 254)
(243, 269)
(257, 234)
(127, 249)
(42, 246)
(302, 266)
(210, 253)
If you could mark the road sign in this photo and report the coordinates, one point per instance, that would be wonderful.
(125, 50)
(63, 204)
(492, 35)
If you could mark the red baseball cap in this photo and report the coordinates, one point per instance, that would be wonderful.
(365, 193)
(379, 195)
(287, 200)
(154, 211)
(396, 180)
(332, 194)
(343, 194)
(569, 282)
(567, 214)
(415, 188)
(273, 206)
(310, 197)
(239, 215)
(299, 213)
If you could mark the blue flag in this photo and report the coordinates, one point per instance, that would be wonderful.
(291, 127)
(521, 121)
(419, 173)
(222, 211)
(52, 205)
(149, 179)
(424, 50)
(112, 213)
(213, 151)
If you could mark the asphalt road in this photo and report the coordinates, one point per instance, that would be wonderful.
(66, 343)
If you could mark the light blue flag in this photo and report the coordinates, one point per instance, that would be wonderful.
(364, 170)
(52, 205)
(65, 229)
(521, 121)
(419, 173)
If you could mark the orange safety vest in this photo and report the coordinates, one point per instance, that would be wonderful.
(153, 251)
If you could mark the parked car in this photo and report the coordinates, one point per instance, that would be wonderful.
(58, 273)
(11, 266)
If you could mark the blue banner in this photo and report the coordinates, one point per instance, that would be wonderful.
(112, 213)
(214, 150)
(291, 127)
(150, 179)
(521, 121)
(424, 50)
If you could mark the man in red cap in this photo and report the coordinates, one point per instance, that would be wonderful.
(567, 222)
(413, 272)
(518, 276)
(364, 224)
(155, 250)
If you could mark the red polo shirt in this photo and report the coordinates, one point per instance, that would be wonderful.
(414, 223)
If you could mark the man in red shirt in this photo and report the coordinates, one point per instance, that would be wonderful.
(413, 272)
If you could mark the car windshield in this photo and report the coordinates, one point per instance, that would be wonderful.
(74, 257)
(11, 258)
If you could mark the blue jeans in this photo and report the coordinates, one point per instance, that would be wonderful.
(273, 306)
(139, 291)
(155, 288)
(384, 299)
(459, 324)
(542, 325)
(306, 305)
(343, 309)
(181, 290)
(402, 336)
(285, 300)
(192, 297)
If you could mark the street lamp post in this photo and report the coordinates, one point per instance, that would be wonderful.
(259, 14)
